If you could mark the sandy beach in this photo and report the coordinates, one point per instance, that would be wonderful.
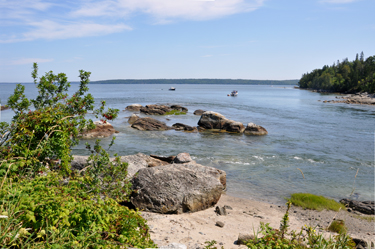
(194, 229)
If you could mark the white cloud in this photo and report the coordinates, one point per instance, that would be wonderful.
(167, 10)
(25, 61)
(27, 20)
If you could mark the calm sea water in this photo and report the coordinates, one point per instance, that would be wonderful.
(327, 142)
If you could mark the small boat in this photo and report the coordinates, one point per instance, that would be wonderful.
(233, 93)
(172, 89)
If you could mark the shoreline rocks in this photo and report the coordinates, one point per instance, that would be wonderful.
(365, 207)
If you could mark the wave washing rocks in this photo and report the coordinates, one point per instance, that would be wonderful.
(209, 121)
(169, 185)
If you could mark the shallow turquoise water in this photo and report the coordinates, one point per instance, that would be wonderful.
(328, 142)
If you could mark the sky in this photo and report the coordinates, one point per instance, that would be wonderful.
(174, 39)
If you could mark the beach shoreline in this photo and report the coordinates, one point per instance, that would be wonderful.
(194, 229)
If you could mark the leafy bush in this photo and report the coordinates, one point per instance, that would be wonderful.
(310, 201)
(43, 204)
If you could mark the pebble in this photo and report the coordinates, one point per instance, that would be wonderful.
(201, 233)
(220, 224)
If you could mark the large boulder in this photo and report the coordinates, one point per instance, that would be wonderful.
(256, 130)
(176, 188)
(134, 107)
(213, 120)
(149, 124)
(102, 129)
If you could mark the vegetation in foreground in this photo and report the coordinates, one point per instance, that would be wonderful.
(43, 204)
(345, 76)
(315, 202)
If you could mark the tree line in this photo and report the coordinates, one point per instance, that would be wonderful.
(345, 76)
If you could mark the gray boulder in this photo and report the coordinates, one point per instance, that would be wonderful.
(149, 124)
(182, 158)
(253, 129)
(155, 109)
(179, 108)
(365, 207)
(216, 121)
(175, 188)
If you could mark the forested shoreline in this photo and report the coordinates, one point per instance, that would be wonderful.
(344, 77)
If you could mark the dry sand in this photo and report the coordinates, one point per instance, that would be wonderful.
(194, 229)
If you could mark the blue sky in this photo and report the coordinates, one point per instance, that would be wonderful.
(147, 39)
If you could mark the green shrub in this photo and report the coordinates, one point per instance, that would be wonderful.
(310, 201)
(337, 226)
(306, 238)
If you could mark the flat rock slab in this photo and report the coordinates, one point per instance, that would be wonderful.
(365, 207)
(149, 124)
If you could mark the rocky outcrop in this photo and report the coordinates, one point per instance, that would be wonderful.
(182, 158)
(175, 189)
(155, 109)
(365, 207)
(102, 129)
(256, 130)
(184, 127)
(132, 119)
(198, 112)
(215, 121)
(149, 124)
(358, 98)
(134, 107)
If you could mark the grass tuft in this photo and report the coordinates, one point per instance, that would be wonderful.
(315, 202)
(338, 226)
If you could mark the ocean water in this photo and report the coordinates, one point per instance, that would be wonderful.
(329, 143)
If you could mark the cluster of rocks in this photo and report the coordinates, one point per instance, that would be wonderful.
(102, 129)
(169, 185)
(209, 120)
(364, 207)
(155, 109)
(358, 98)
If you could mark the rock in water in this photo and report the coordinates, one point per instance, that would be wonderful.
(176, 189)
(134, 107)
(253, 129)
(149, 124)
(212, 120)
(198, 112)
(132, 119)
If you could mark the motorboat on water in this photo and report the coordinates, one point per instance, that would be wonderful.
(172, 89)
(233, 93)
